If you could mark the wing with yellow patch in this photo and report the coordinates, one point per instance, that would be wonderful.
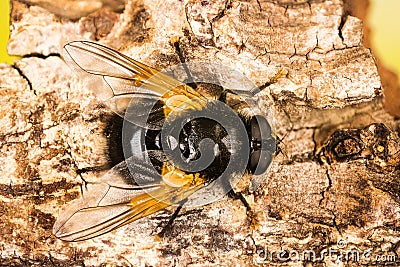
(129, 191)
(126, 85)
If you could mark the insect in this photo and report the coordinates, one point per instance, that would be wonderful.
(183, 145)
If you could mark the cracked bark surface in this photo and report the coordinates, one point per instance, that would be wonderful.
(335, 177)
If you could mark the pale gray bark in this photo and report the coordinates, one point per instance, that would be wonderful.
(311, 197)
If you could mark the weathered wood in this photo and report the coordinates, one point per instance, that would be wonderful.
(334, 184)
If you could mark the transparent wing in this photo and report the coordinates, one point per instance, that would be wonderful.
(117, 200)
(121, 82)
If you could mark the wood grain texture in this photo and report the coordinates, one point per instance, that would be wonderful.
(336, 176)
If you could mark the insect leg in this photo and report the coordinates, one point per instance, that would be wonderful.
(249, 212)
(279, 74)
(168, 226)
(175, 43)
(234, 195)
(93, 169)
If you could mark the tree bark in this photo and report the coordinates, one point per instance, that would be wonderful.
(332, 186)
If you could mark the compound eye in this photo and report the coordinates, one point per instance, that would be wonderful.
(259, 161)
(259, 127)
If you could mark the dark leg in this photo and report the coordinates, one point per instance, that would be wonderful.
(251, 215)
(182, 60)
(273, 80)
(232, 194)
(79, 172)
(171, 220)
(93, 169)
